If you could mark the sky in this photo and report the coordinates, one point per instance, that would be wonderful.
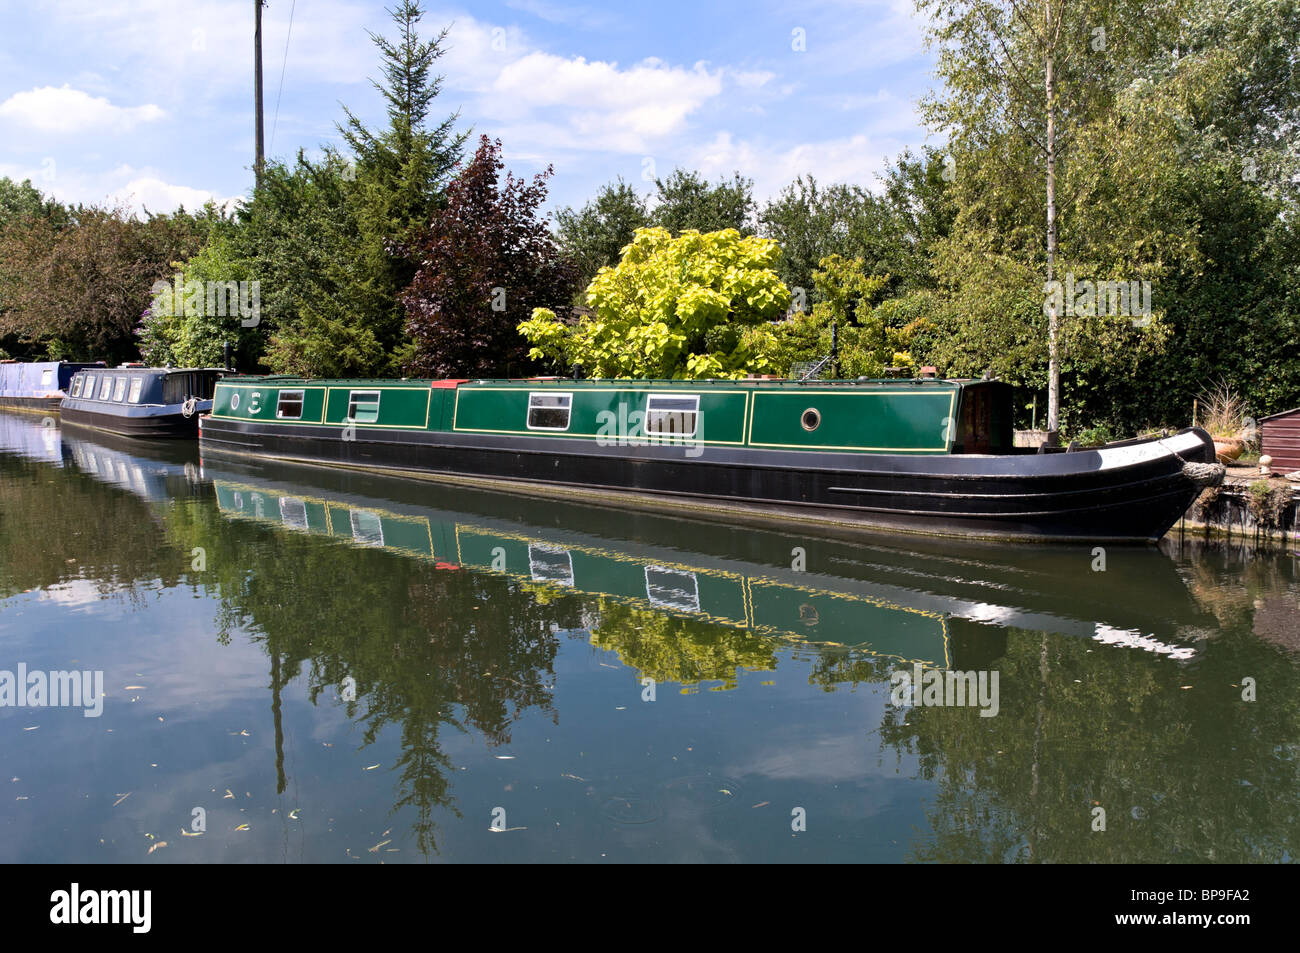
(148, 103)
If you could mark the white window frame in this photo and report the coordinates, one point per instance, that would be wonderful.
(302, 402)
(119, 389)
(74, 390)
(655, 591)
(47, 377)
(568, 408)
(367, 528)
(649, 409)
(352, 399)
(106, 388)
(134, 391)
(293, 513)
(541, 562)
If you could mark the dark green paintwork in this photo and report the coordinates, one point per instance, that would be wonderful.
(878, 416)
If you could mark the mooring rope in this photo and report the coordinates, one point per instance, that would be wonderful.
(1201, 474)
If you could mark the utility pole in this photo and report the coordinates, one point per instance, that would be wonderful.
(259, 159)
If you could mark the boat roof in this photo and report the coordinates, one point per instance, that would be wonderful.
(157, 370)
(566, 382)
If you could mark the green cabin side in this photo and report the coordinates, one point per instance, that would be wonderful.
(913, 417)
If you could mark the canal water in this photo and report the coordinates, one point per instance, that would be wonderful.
(304, 664)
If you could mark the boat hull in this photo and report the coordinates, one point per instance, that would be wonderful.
(1132, 492)
(33, 405)
(165, 425)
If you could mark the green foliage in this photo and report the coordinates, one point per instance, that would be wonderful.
(329, 302)
(682, 651)
(686, 201)
(1169, 171)
(1095, 436)
(191, 333)
(673, 307)
(866, 343)
(892, 233)
(74, 283)
(594, 236)
(22, 200)
(402, 169)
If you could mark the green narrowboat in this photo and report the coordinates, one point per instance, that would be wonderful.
(923, 455)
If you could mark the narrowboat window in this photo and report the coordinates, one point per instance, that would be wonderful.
(137, 385)
(293, 512)
(75, 390)
(672, 589)
(289, 405)
(549, 564)
(363, 406)
(106, 385)
(549, 411)
(234, 401)
(47, 377)
(676, 416)
(811, 419)
(119, 388)
(367, 527)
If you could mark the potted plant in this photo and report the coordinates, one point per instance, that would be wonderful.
(1224, 418)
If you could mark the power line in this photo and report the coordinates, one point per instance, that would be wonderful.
(283, 64)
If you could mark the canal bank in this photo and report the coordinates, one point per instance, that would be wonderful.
(1247, 505)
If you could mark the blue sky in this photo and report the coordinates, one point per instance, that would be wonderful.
(149, 102)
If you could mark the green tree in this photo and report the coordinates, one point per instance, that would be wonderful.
(335, 236)
(686, 201)
(77, 290)
(22, 200)
(674, 307)
(865, 343)
(595, 235)
(403, 168)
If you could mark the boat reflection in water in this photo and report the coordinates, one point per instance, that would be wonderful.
(872, 596)
(407, 616)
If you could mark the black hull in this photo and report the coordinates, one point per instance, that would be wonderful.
(32, 405)
(158, 425)
(1087, 495)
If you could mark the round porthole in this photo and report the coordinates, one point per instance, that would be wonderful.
(234, 401)
(811, 419)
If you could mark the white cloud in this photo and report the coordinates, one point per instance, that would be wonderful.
(855, 159)
(71, 111)
(137, 189)
(152, 193)
(599, 104)
(205, 46)
(751, 79)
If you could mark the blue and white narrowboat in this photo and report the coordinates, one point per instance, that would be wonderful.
(141, 401)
